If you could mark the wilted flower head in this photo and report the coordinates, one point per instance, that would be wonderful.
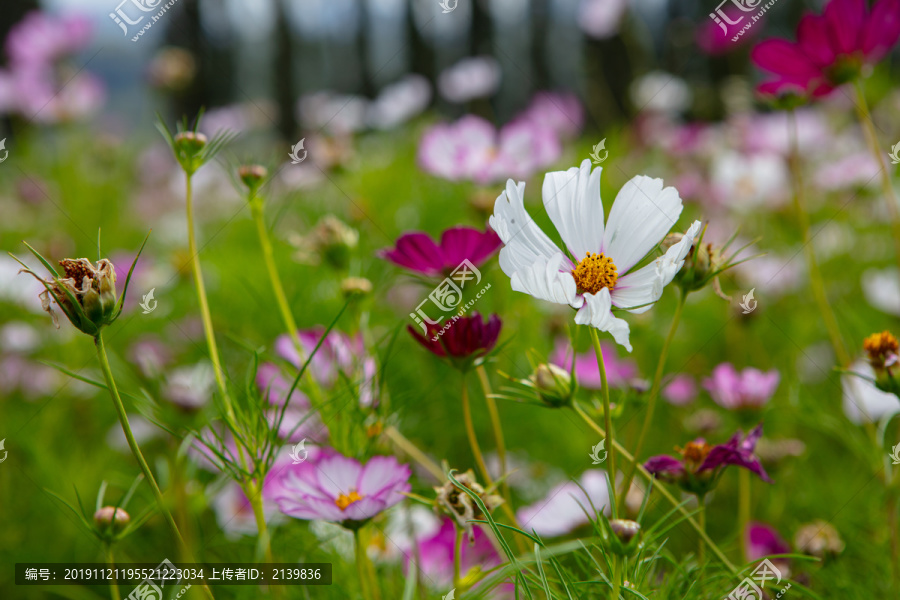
(819, 539)
(599, 273)
(700, 466)
(831, 48)
(881, 349)
(748, 389)
(340, 489)
(460, 339)
(331, 240)
(417, 252)
(86, 294)
(457, 504)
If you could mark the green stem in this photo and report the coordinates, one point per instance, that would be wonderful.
(743, 507)
(361, 559)
(254, 496)
(607, 416)
(457, 560)
(701, 521)
(473, 439)
(113, 584)
(658, 486)
(496, 424)
(129, 436)
(204, 304)
(654, 395)
(815, 276)
(890, 196)
(617, 576)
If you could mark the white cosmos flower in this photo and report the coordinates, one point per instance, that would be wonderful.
(597, 275)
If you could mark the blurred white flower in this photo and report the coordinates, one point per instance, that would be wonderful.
(18, 337)
(658, 91)
(470, 78)
(881, 287)
(747, 181)
(601, 18)
(563, 509)
(774, 274)
(863, 402)
(190, 387)
(399, 102)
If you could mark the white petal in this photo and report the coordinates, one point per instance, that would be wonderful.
(572, 199)
(863, 402)
(639, 219)
(543, 280)
(597, 312)
(645, 286)
(524, 242)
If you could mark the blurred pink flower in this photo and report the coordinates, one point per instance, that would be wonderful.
(619, 372)
(681, 390)
(471, 148)
(563, 509)
(854, 171)
(417, 252)
(560, 111)
(712, 39)
(748, 389)
(761, 541)
(435, 554)
(470, 78)
(337, 488)
(40, 38)
(831, 48)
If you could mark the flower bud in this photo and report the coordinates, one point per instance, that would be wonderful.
(622, 536)
(331, 240)
(702, 263)
(190, 143)
(554, 385)
(252, 176)
(356, 287)
(111, 518)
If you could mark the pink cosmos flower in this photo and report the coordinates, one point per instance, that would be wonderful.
(830, 49)
(619, 372)
(339, 354)
(340, 489)
(601, 18)
(466, 338)
(714, 40)
(435, 555)
(563, 510)
(471, 148)
(681, 390)
(417, 252)
(748, 389)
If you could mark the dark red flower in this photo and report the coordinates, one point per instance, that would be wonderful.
(830, 49)
(417, 252)
(460, 337)
(701, 465)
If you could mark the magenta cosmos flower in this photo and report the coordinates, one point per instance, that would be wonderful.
(747, 389)
(700, 466)
(619, 372)
(341, 489)
(473, 149)
(831, 48)
(435, 555)
(417, 252)
(460, 338)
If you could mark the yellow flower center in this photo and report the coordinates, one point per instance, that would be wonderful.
(694, 453)
(595, 272)
(879, 345)
(345, 500)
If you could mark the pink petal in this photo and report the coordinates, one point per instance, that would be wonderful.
(814, 40)
(418, 252)
(784, 58)
(881, 31)
(846, 19)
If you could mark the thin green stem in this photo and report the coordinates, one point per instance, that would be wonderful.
(413, 451)
(890, 196)
(701, 521)
(496, 424)
(815, 276)
(658, 486)
(205, 315)
(654, 395)
(457, 557)
(361, 559)
(470, 432)
(129, 436)
(617, 576)
(743, 507)
(113, 584)
(607, 415)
